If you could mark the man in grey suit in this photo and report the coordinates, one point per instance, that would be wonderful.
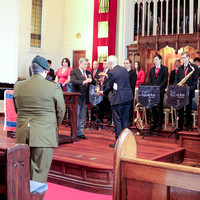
(81, 78)
(118, 81)
(40, 109)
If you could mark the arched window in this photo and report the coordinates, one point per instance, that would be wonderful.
(36, 21)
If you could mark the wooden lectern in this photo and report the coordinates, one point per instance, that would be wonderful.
(71, 102)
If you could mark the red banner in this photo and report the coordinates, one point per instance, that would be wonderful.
(104, 42)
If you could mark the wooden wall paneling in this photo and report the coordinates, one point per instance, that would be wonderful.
(77, 54)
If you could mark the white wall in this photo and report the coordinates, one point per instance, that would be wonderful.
(9, 23)
(124, 29)
(62, 20)
(52, 34)
(78, 19)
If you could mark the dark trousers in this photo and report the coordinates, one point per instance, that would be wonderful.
(121, 117)
(131, 114)
(104, 107)
(157, 112)
(82, 108)
(188, 117)
(40, 161)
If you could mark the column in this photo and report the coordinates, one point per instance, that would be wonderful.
(167, 14)
(172, 17)
(161, 16)
(148, 19)
(184, 16)
(198, 15)
(144, 17)
(191, 16)
(138, 18)
(154, 17)
(133, 19)
(124, 29)
(178, 16)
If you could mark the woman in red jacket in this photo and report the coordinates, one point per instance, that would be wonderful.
(140, 74)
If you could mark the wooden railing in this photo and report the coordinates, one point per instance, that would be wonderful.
(15, 174)
(143, 179)
(163, 17)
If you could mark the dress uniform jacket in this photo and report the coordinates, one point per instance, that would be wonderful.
(40, 103)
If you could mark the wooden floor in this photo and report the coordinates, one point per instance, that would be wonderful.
(88, 164)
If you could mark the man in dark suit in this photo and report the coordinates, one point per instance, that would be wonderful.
(118, 81)
(197, 63)
(81, 78)
(96, 77)
(96, 71)
(183, 71)
(40, 109)
(174, 72)
(104, 106)
(132, 79)
(50, 76)
(158, 76)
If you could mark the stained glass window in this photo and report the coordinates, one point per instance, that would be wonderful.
(36, 21)
(102, 53)
(103, 29)
(103, 6)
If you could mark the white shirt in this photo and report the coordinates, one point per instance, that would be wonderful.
(83, 72)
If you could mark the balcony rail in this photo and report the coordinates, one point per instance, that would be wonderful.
(166, 17)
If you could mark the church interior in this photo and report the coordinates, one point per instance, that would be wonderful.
(145, 163)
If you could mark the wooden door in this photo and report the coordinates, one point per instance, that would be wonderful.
(76, 56)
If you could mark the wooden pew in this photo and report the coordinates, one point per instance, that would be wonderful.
(141, 179)
(15, 174)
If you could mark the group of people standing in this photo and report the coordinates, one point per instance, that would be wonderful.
(40, 106)
(158, 76)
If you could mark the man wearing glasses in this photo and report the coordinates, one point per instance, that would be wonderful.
(182, 72)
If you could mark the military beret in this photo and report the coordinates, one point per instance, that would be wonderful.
(42, 62)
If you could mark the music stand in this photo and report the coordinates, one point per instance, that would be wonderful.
(95, 99)
(177, 97)
(149, 96)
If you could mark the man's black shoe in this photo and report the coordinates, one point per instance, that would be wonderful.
(112, 145)
(109, 122)
(82, 137)
(159, 128)
(186, 128)
(153, 127)
(130, 124)
(179, 129)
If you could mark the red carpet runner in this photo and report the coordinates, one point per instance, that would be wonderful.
(59, 192)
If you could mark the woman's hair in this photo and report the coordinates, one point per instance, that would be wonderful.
(67, 60)
(139, 66)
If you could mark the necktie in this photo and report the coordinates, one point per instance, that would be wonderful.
(94, 72)
(84, 75)
(185, 70)
(157, 71)
(102, 78)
